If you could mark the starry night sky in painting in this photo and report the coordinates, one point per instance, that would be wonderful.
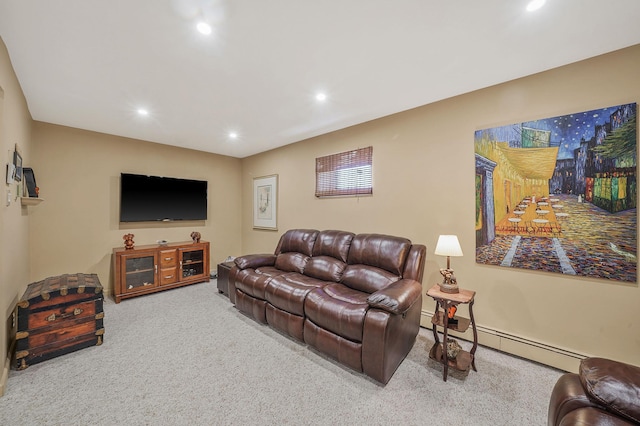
(568, 130)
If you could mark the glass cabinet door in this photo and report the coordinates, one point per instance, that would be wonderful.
(139, 271)
(191, 263)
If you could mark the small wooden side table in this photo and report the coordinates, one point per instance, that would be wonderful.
(223, 277)
(444, 301)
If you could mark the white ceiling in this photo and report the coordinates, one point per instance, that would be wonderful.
(91, 64)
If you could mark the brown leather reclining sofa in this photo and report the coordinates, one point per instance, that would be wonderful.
(603, 392)
(355, 298)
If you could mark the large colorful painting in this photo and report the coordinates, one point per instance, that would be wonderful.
(560, 194)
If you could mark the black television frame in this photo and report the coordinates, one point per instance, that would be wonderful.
(148, 198)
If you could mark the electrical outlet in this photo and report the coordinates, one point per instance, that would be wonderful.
(8, 197)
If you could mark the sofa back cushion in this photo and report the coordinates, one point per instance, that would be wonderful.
(294, 249)
(329, 255)
(333, 243)
(297, 240)
(382, 251)
(375, 261)
(368, 279)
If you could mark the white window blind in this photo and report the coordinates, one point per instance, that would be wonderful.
(345, 174)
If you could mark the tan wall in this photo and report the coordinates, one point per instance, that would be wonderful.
(77, 225)
(15, 128)
(424, 186)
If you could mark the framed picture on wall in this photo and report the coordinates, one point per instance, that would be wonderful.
(17, 162)
(559, 194)
(265, 202)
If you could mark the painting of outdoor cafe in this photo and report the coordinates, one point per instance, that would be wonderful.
(560, 194)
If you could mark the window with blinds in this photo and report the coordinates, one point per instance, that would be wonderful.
(345, 174)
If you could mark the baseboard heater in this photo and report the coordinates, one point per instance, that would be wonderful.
(533, 350)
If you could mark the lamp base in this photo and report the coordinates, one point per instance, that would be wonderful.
(449, 288)
(449, 283)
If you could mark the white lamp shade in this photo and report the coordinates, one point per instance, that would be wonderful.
(448, 245)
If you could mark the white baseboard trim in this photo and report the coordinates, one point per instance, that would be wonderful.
(543, 353)
(5, 374)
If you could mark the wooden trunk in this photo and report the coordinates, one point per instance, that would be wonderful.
(58, 315)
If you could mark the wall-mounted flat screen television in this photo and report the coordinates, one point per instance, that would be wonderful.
(154, 198)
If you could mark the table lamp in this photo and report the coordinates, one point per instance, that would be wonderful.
(448, 245)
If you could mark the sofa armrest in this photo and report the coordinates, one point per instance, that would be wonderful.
(567, 396)
(614, 385)
(397, 297)
(253, 261)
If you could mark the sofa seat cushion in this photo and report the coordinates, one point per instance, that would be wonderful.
(288, 291)
(254, 281)
(339, 309)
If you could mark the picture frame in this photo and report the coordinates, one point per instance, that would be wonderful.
(17, 162)
(265, 202)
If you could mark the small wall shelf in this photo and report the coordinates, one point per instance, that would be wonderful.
(30, 201)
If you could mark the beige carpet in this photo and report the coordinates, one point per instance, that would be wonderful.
(188, 357)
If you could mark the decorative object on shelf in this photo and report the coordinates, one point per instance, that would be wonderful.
(128, 241)
(17, 162)
(195, 236)
(451, 315)
(453, 348)
(265, 202)
(30, 180)
(448, 245)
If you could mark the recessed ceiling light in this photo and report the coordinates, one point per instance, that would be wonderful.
(233, 135)
(204, 28)
(535, 5)
(321, 97)
(143, 112)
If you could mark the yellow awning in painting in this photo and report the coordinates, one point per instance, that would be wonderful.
(531, 163)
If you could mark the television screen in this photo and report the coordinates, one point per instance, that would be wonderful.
(153, 198)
